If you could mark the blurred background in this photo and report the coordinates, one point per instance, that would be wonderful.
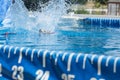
(77, 6)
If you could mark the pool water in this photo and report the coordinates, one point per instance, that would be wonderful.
(70, 36)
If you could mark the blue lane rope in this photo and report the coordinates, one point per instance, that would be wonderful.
(107, 22)
(33, 64)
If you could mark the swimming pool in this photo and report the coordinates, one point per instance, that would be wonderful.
(71, 35)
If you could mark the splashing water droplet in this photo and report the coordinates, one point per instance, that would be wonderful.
(45, 18)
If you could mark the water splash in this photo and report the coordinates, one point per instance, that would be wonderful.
(4, 4)
(46, 17)
(50, 14)
(16, 16)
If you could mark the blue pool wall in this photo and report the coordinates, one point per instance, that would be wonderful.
(108, 22)
(52, 65)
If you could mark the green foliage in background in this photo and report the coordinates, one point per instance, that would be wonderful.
(78, 1)
(97, 5)
(102, 2)
(81, 11)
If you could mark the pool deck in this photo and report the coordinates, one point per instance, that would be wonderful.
(80, 16)
(83, 16)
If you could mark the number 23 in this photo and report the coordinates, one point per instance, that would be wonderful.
(17, 73)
